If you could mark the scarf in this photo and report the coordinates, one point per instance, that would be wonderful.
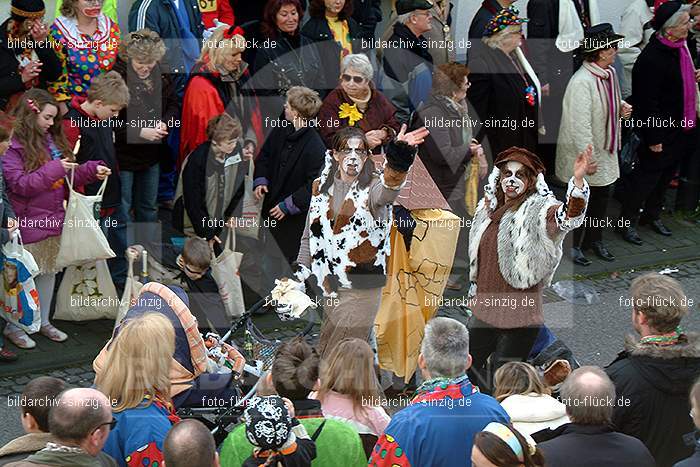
(690, 88)
(670, 338)
(609, 92)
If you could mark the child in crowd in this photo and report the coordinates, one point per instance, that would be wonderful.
(501, 445)
(38, 159)
(278, 437)
(192, 265)
(9, 224)
(294, 375)
(211, 189)
(107, 96)
(349, 388)
(35, 402)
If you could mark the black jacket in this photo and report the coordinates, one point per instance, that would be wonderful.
(445, 152)
(194, 193)
(146, 106)
(10, 77)
(488, 10)
(657, 93)
(367, 13)
(294, 61)
(551, 65)
(97, 144)
(159, 16)
(399, 62)
(572, 445)
(498, 96)
(656, 382)
(318, 31)
(290, 160)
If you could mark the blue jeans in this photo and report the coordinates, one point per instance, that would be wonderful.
(140, 192)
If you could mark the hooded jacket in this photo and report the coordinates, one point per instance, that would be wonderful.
(531, 413)
(654, 383)
(45, 458)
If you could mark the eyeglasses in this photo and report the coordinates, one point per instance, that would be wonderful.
(111, 424)
(347, 78)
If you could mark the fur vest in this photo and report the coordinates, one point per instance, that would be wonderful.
(348, 245)
(527, 254)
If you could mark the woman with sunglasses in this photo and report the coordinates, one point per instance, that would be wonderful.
(138, 385)
(357, 103)
(591, 114)
(87, 42)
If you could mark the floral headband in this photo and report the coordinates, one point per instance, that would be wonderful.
(506, 435)
(32, 105)
(503, 19)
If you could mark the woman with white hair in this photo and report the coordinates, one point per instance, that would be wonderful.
(216, 86)
(505, 91)
(356, 102)
(664, 90)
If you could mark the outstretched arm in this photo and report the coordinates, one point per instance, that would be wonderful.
(571, 214)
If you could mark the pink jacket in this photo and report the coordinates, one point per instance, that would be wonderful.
(37, 197)
(371, 420)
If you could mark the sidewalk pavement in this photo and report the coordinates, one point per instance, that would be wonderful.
(87, 339)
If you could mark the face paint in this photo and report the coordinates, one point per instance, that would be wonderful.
(353, 157)
(92, 12)
(513, 179)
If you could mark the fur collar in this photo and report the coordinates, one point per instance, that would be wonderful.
(29, 443)
(690, 348)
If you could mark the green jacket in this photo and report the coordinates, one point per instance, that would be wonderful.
(67, 459)
(338, 445)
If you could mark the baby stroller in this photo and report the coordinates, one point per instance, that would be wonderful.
(192, 385)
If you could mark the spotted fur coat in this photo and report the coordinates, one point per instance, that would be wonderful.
(527, 253)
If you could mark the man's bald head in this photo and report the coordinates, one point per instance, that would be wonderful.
(77, 413)
(589, 396)
(189, 444)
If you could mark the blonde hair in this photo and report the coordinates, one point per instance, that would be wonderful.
(216, 47)
(305, 101)
(109, 88)
(661, 299)
(138, 362)
(349, 370)
(143, 45)
(515, 378)
(224, 127)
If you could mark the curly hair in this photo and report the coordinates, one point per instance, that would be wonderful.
(144, 46)
(448, 78)
(32, 138)
(268, 26)
(69, 8)
(317, 9)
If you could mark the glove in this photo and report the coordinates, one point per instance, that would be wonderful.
(400, 156)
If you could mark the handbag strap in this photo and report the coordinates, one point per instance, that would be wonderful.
(231, 239)
(71, 179)
(103, 187)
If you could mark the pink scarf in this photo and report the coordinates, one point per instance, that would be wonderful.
(690, 86)
(609, 92)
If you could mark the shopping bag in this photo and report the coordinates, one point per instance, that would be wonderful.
(249, 223)
(82, 239)
(224, 270)
(132, 288)
(19, 298)
(86, 293)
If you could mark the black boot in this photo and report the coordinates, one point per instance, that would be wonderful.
(579, 258)
(660, 228)
(601, 251)
(629, 233)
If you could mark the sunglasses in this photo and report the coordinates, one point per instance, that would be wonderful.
(111, 424)
(356, 79)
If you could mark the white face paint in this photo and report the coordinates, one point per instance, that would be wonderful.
(353, 157)
(513, 179)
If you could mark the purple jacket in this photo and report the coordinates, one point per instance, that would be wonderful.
(37, 197)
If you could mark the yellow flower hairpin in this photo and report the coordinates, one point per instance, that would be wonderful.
(350, 112)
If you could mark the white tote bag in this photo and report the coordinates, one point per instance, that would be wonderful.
(19, 299)
(82, 240)
(224, 270)
(252, 208)
(132, 288)
(86, 293)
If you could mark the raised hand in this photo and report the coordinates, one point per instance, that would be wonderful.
(582, 165)
(413, 138)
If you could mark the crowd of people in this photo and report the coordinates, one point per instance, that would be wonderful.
(345, 160)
